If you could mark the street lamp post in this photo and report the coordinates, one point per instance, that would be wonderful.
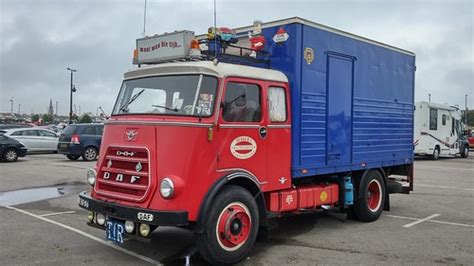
(11, 106)
(73, 89)
(465, 107)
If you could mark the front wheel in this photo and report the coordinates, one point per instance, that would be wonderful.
(370, 197)
(10, 155)
(230, 228)
(435, 155)
(465, 151)
(72, 157)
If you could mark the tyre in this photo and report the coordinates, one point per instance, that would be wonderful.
(370, 200)
(465, 151)
(435, 155)
(10, 155)
(230, 228)
(73, 157)
(89, 154)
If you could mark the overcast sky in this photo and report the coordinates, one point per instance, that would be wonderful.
(39, 39)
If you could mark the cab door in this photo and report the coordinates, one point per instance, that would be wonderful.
(242, 128)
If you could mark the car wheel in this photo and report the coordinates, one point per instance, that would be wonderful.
(73, 157)
(89, 154)
(465, 152)
(230, 228)
(10, 155)
(370, 200)
(435, 155)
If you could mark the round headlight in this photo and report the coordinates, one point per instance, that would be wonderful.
(144, 230)
(100, 218)
(90, 216)
(91, 175)
(166, 188)
(129, 226)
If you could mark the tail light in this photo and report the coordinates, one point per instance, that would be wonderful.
(75, 139)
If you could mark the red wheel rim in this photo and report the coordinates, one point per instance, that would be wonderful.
(374, 195)
(233, 226)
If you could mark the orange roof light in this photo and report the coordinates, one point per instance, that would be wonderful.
(135, 53)
(194, 44)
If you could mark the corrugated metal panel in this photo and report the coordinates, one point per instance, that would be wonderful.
(313, 128)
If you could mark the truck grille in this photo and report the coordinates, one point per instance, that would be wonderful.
(124, 174)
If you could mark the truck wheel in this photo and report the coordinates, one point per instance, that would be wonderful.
(465, 151)
(10, 155)
(72, 157)
(370, 200)
(435, 155)
(230, 228)
(89, 154)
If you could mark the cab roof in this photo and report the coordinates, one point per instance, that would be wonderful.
(221, 70)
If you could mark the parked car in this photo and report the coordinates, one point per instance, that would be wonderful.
(35, 139)
(81, 140)
(11, 149)
(470, 139)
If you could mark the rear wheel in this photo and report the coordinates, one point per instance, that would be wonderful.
(370, 200)
(465, 151)
(10, 155)
(231, 227)
(72, 157)
(89, 154)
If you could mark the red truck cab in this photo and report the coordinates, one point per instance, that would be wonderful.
(178, 133)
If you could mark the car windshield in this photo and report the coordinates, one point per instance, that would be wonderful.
(185, 95)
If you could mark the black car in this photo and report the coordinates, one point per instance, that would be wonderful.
(11, 149)
(81, 140)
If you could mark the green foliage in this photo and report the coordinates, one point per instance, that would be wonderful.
(85, 118)
(47, 118)
(35, 118)
(470, 118)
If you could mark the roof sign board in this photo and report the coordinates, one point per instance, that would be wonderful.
(165, 47)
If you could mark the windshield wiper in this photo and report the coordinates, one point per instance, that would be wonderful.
(134, 97)
(166, 107)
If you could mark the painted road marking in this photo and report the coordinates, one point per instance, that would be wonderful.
(445, 187)
(109, 244)
(56, 213)
(72, 166)
(421, 220)
(430, 221)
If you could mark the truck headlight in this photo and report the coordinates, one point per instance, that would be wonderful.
(166, 188)
(91, 176)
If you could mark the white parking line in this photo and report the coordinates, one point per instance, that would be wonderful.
(56, 213)
(430, 221)
(444, 187)
(72, 166)
(109, 244)
(421, 220)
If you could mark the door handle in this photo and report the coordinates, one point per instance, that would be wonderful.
(263, 132)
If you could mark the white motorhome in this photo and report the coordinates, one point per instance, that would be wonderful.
(438, 130)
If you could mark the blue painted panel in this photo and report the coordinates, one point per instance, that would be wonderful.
(381, 101)
(339, 120)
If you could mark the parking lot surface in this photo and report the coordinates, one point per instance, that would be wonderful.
(42, 224)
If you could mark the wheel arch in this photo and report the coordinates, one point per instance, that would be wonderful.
(242, 179)
(383, 173)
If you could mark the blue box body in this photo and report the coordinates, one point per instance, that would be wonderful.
(352, 105)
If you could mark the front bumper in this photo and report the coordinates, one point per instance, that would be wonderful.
(23, 152)
(160, 218)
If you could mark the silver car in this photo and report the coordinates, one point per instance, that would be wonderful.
(35, 139)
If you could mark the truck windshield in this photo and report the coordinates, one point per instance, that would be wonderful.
(185, 95)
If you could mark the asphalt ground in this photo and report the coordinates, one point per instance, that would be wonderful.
(432, 225)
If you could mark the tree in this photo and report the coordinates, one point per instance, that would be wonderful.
(47, 118)
(35, 118)
(470, 118)
(85, 118)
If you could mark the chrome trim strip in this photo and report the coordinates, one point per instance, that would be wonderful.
(279, 126)
(127, 198)
(238, 126)
(162, 123)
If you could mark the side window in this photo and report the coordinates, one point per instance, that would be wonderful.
(443, 120)
(33, 133)
(242, 103)
(46, 134)
(20, 133)
(89, 131)
(433, 119)
(276, 104)
(100, 130)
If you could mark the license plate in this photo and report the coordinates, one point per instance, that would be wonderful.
(115, 231)
(63, 145)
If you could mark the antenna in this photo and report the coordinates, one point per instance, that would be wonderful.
(215, 31)
(144, 21)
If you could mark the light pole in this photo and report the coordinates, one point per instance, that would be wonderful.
(11, 105)
(429, 97)
(465, 107)
(73, 89)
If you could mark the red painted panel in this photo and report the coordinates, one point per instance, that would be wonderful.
(305, 198)
(273, 202)
(288, 200)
